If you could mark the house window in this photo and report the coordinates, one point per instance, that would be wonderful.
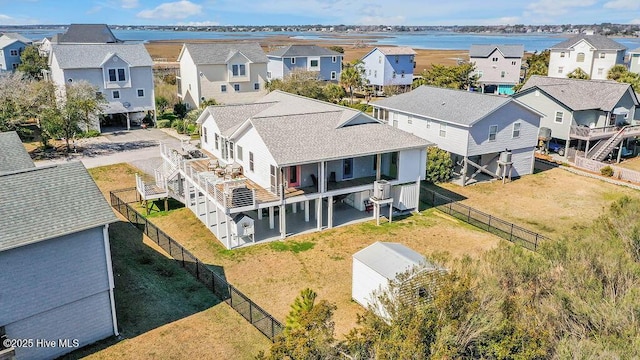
(256, 86)
(251, 161)
(239, 151)
(428, 124)
(117, 75)
(121, 76)
(560, 69)
(370, 70)
(216, 141)
(397, 59)
(334, 59)
(236, 87)
(14, 52)
(238, 70)
(516, 130)
(115, 94)
(204, 135)
(268, 74)
(293, 60)
(443, 130)
(375, 73)
(402, 75)
(513, 63)
(495, 59)
(602, 55)
(502, 74)
(600, 71)
(334, 75)
(379, 59)
(394, 75)
(140, 92)
(223, 88)
(562, 54)
(493, 131)
(15, 66)
(231, 148)
(580, 57)
(395, 123)
(112, 75)
(559, 116)
(409, 119)
(313, 63)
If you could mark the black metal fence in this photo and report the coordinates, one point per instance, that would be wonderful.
(484, 221)
(226, 292)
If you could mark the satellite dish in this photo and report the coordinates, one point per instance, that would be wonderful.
(126, 104)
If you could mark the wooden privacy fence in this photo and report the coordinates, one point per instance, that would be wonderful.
(618, 172)
(258, 317)
(504, 229)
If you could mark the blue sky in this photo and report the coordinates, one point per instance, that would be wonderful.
(291, 12)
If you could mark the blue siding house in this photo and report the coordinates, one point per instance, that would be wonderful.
(283, 61)
(389, 66)
(11, 47)
(55, 260)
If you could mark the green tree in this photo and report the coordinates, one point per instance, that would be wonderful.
(578, 73)
(300, 82)
(333, 92)
(353, 77)
(208, 102)
(162, 104)
(336, 48)
(621, 74)
(439, 165)
(180, 110)
(461, 77)
(22, 99)
(536, 64)
(32, 63)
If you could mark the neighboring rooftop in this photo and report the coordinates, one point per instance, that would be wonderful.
(302, 50)
(13, 155)
(213, 54)
(86, 34)
(18, 37)
(448, 105)
(90, 56)
(580, 94)
(389, 259)
(508, 51)
(598, 42)
(396, 50)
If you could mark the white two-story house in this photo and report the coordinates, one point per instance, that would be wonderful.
(287, 164)
(228, 73)
(594, 54)
(475, 128)
(497, 67)
(122, 73)
(389, 66)
(327, 63)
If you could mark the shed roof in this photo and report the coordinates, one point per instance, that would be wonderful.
(13, 155)
(508, 51)
(598, 42)
(214, 54)
(87, 34)
(579, 94)
(91, 56)
(302, 50)
(453, 106)
(390, 259)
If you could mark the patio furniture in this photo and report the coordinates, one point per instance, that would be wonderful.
(236, 170)
(368, 206)
(213, 165)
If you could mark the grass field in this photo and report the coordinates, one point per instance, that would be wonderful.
(631, 163)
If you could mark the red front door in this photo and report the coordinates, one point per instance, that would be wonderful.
(293, 176)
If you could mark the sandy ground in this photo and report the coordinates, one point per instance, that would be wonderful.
(354, 49)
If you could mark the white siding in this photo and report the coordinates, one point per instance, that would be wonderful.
(455, 140)
(365, 282)
(522, 161)
(211, 129)
(592, 61)
(547, 106)
(189, 80)
(411, 165)
(374, 69)
(251, 141)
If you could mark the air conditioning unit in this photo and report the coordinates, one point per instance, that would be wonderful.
(381, 189)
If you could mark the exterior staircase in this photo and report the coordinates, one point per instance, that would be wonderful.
(607, 146)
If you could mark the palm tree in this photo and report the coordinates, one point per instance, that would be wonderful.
(352, 77)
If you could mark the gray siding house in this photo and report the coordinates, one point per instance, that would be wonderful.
(57, 281)
(588, 115)
(497, 66)
(327, 63)
(11, 47)
(80, 34)
(475, 128)
(634, 61)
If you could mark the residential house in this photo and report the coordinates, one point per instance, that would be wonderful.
(11, 47)
(634, 61)
(327, 63)
(588, 115)
(475, 128)
(122, 73)
(57, 280)
(497, 67)
(389, 66)
(228, 73)
(594, 54)
(290, 160)
(80, 34)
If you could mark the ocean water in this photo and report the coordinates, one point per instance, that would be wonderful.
(419, 40)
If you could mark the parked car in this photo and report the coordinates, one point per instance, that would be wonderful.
(556, 146)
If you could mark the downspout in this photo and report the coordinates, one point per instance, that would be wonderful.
(107, 254)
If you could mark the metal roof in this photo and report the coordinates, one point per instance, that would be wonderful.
(453, 106)
(215, 54)
(47, 202)
(579, 94)
(390, 259)
(598, 42)
(508, 51)
(13, 155)
(92, 56)
(302, 50)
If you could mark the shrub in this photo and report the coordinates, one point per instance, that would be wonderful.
(607, 171)
(164, 123)
(179, 126)
(362, 107)
(180, 110)
(170, 79)
(439, 165)
(89, 134)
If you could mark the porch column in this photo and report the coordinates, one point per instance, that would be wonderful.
(619, 152)
(306, 210)
(464, 171)
(283, 221)
(319, 213)
(197, 207)
(259, 214)
(206, 209)
(227, 219)
(322, 178)
(128, 122)
(217, 231)
(586, 149)
(294, 208)
(418, 194)
(378, 166)
(330, 212)
(271, 225)
(566, 148)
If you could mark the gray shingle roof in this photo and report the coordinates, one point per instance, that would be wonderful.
(13, 155)
(579, 94)
(509, 51)
(91, 56)
(599, 42)
(87, 34)
(47, 202)
(213, 54)
(452, 106)
(230, 117)
(16, 36)
(302, 50)
(396, 50)
(389, 259)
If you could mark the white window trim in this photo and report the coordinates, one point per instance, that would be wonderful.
(495, 134)
(443, 130)
(256, 86)
(293, 61)
(313, 68)
(223, 88)
(334, 59)
(13, 52)
(268, 74)
(239, 66)
(138, 93)
(234, 87)
(334, 75)
(555, 119)
(513, 131)
(239, 154)
(113, 94)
